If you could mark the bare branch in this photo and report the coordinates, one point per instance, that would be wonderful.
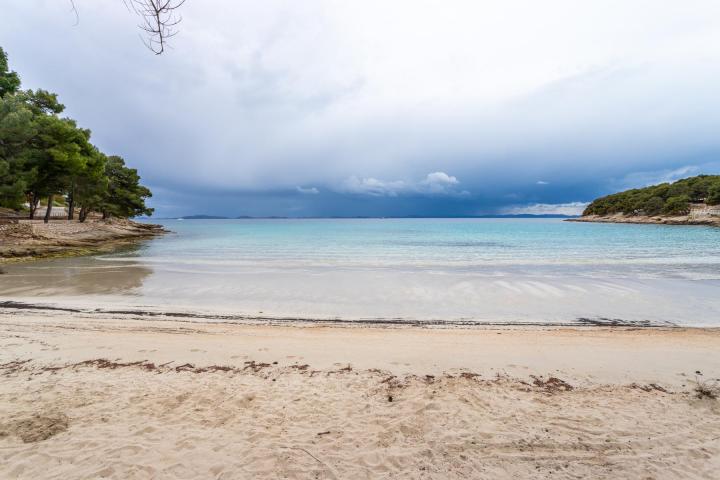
(74, 10)
(159, 19)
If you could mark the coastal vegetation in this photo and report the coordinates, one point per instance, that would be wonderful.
(664, 199)
(44, 155)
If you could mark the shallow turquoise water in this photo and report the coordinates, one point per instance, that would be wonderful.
(479, 269)
(479, 245)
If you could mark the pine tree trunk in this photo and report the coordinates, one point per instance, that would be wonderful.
(33, 205)
(105, 214)
(71, 207)
(83, 214)
(49, 208)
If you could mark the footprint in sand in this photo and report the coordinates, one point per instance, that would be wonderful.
(145, 430)
(104, 473)
(38, 427)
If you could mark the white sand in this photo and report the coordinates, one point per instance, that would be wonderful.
(104, 420)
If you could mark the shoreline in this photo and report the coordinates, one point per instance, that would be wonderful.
(95, 387)
(88, 396)
(575, 351)
(23, 308)
(547, 347)
(645, 220)
(32, 240)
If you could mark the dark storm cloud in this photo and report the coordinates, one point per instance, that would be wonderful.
(277, 108)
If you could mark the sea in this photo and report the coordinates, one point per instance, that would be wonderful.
(427, 271)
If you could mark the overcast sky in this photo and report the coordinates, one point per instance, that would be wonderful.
(394, 107)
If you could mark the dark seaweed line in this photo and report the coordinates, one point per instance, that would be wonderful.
(230, 319)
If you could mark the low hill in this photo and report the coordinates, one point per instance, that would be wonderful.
(666, 199)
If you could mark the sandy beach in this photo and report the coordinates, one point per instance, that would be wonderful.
(359, 240)
(116, 396)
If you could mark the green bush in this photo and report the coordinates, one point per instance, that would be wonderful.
(713, 197)
(679, 205)
(653, 206)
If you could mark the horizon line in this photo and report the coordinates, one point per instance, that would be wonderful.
(340, 217)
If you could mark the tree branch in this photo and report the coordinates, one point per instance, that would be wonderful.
(159, 19)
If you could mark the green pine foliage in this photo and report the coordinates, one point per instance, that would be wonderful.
(46, 156)
(664, 199)
(9, 81)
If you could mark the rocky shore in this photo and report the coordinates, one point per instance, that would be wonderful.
(655, 219)
(35, 239)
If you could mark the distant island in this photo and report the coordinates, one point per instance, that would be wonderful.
(690, 201)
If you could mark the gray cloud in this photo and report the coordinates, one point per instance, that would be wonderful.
(434, 184)
(373, 186)
(320, 101)
(571, 208)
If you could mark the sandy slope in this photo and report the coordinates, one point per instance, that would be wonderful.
(191, 400)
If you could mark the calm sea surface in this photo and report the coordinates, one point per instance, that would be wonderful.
(485, 270)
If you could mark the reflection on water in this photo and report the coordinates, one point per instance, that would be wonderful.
(73, 276)
(425, 269)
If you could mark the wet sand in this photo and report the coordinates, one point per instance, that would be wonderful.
(115, 396)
